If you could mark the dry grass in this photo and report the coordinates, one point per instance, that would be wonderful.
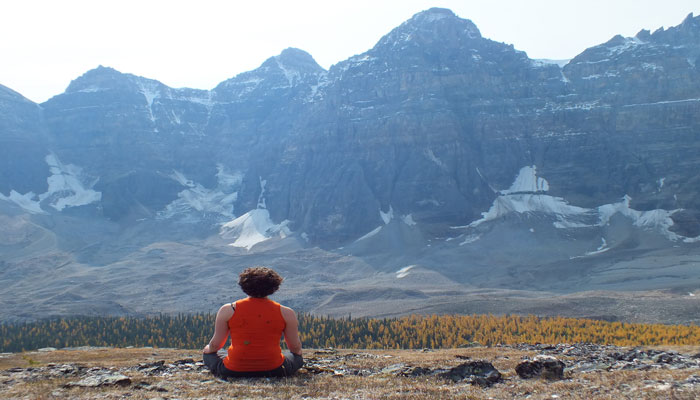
(113, 357)
(653, 384)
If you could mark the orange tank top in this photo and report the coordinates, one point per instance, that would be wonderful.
(256, 329)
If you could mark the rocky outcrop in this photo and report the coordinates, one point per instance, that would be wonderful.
(546, 367)
(101, 379)
(481, 373)
(586, 357)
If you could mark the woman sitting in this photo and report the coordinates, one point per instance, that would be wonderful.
(255, 324)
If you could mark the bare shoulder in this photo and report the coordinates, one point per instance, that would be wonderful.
(225, 311)
(287, 312)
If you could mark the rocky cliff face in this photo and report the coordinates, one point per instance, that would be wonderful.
(428, 123)
(437, 143)
(23, 146)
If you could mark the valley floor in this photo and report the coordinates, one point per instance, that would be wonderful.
(592, 372)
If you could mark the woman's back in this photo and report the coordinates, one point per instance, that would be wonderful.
(256, 326)
(256, 329)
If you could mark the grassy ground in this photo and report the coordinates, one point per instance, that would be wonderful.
(331, 375)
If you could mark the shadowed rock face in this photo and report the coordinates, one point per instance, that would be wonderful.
(22, 144)
(379, 158)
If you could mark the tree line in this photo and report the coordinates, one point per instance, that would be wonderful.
(193, 331)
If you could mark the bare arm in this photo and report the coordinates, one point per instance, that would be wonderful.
(291, 331)
(220, 329)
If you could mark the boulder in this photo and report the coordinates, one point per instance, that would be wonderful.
(541, 366)
(102, 379)
(481, 373)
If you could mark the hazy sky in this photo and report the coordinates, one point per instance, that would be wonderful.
(47, 43)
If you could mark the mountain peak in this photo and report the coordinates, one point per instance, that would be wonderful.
(95, 79)
(688, 19)
(435, 25)
(433, 14)
(287, 69)
(102, 71)
(644, 35)
(691, 23)
(432, 17)
(297, 59)
(292, 63)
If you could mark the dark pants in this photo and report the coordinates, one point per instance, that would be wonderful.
(292, 362)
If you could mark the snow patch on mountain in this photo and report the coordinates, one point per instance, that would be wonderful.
(261, 197)
(228, 180)
(252, 228)
(657, 219)
(470, 239)
(175, 118)
(293, 76)
(25, 201)
(403, 272)
(601, 249)
(527, 181)
(68, 186)
(180, 178)
(205, 99)
(91, 89)
(243, 84)
(624, 45)
(370, 234)
(525, 196)
(317, 90)
(150, 93)
(198, 198)
(660, 184)
(354, 62)
(568, 216)
(431, 156)
(387, 216)
(408, 220)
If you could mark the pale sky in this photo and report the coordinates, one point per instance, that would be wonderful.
(44, 44)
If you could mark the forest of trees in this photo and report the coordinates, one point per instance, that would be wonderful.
(193, 331)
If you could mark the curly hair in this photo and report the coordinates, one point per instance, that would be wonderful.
(259, 281)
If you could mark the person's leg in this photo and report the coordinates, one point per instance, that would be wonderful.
(295, 360)
(292, 363)
(215, 364)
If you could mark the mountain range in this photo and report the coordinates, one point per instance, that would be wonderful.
(439, 171)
